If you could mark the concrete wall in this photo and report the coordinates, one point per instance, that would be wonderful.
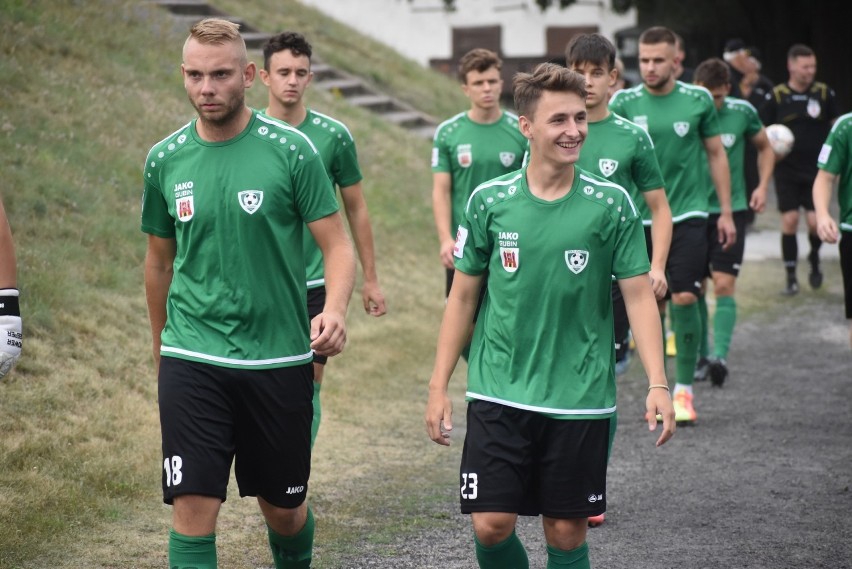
(422, 31)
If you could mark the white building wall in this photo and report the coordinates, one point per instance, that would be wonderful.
(422, 30)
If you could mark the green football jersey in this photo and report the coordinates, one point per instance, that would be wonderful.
(337, 149)
(236, 210)
(739, 122)
(622, 152)
(836, 158)
(678, 123)
(473, 153)
(544, 337)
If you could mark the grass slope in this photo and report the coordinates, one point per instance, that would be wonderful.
(87, 88)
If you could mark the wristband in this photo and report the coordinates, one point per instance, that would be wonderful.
(658, 385)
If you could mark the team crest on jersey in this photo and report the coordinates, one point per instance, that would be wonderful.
(507, 158)
(813, 108)
(607, 166)
(641, 120)
(250, 200)
(576, 260)
(510, 256)
(728, 139)
(185, 208)
(464, 155)
(681, 128)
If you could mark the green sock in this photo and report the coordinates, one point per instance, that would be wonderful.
(704, 345)
(575, 559)
(317, 413)
(293, 552)
(508, 554)
(687, 325)
(723, 324)
(187, 552)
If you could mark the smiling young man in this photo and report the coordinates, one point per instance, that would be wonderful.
(541, 384)
(682, 123)
(224, 206)
(287, 73)
(472, 147)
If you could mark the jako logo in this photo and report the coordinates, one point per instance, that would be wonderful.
(295, 489)
(183, 186)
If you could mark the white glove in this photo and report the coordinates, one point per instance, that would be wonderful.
(11, 335)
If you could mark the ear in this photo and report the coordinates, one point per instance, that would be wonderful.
(525, 126)
(249, 74)
(264, 76)
(613, 76)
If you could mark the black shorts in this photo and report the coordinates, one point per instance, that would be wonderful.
(211, 416)
(316, 302)
(522, 462)
(718, 259)
(846, 269)
(687, 262)
(482, 291)
(794, 193)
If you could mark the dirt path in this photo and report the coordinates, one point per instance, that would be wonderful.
(762, 481)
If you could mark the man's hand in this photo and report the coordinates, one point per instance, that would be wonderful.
(328, 333)
(659, 402)
(727, 230)
(373, 299)
(11, 331)
(439, 416)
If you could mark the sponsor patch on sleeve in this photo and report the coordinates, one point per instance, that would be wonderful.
(824, 153)
(461, 239)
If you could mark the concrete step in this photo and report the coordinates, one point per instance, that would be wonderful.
(324, 71)
(373, 102)
(345, 86)
(407, 119)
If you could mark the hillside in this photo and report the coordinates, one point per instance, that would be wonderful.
(87, 88)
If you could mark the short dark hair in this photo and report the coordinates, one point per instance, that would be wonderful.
(712, 73)
(590, 48)
(478, 59)
(528, 87)
(292, 41)
(658, 34)
(799, 50)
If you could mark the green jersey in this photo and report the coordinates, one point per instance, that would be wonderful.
(544, 337)
(473, 153)
(236, 210)
(622, 152)
(739, 121)
(836, 158)
(678, 123)
(336, 146)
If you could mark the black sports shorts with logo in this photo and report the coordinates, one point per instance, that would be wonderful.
(526, 463)
(211, 416)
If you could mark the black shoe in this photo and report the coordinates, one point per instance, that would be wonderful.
(815, 278)
(791, 289)
(717, 369)
(701, 370)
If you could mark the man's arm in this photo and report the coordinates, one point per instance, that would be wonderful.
(454, 334)
(721, 174)
(442, 209)
(328, 329)
(8, 265)
(661, 238)
(648, 333)
(159, 269)
(765, 166)
(823, 188)
(362, 233)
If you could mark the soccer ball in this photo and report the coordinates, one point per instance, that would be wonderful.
(781, 139)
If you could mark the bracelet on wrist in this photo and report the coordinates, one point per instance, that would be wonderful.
(659, 386)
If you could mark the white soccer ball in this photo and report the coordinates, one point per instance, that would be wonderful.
(781, 139)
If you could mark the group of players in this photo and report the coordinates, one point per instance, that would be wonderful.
(545, 204)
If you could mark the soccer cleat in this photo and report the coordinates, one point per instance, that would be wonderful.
(718, 371)
(595, 521)
(815, 278)
(792, 288)
(684, 411)
(671, 348)
(701, 370)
